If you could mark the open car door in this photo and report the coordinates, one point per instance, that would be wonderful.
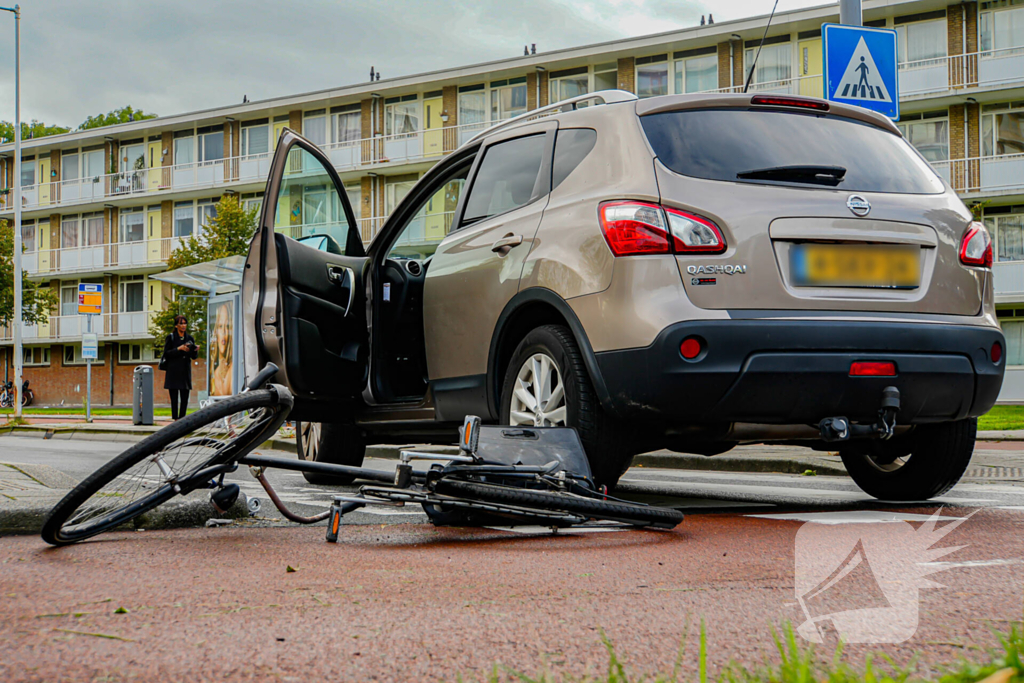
(303, 289)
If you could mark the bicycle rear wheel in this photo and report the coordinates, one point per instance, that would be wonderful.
(593, 508)
(148, 473)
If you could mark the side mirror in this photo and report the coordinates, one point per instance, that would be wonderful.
(322, 243)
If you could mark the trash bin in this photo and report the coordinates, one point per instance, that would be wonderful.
(142, 395)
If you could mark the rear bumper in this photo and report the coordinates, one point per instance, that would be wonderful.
(797, 372)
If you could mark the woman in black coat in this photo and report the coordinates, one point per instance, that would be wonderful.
(179, 351)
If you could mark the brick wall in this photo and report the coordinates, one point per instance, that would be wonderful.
(723, 65)
(627, 74)
(295, 121)
(57, 382)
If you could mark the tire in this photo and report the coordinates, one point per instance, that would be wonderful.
(605, 441)
(334, 443)
(199, 437)
(924, 464)
(592, 508)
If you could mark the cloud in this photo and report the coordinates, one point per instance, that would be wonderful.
(84, 58)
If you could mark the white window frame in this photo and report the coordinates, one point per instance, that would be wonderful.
(601, 69)
(677, 75)
(986, 24)
(347, 117)
(555, 85)
(64, 222)
(122, 223)
(69, 286)
(407, 106)
(144, 353)
(993, 225)
(201, 147)
(988, 116)
(667, 62)
(245, 142)
(76, 354)
(907, 122)
(750, 53)
(44, 356)
(903, 40)
(131, 280)
(69, 162)
(317, 118)
(28, 165)
(203, 212)
(185, 145)
(494, 98)
(181, 207)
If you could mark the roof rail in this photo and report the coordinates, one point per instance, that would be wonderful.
(571, 104)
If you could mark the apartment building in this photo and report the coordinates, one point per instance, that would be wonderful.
(109, 205)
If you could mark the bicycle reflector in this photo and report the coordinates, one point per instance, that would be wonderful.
(976, 246)
(633, 228)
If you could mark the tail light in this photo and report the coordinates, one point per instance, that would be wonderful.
(863, 368)
(633, 228)
(976, 246)
(777, 101)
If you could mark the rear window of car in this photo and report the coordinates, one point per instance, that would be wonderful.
(722, 144)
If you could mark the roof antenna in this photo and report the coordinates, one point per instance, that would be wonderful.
(754, 65)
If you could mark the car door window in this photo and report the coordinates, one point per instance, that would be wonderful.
(432, 221)
(308, 203)
(506, 179)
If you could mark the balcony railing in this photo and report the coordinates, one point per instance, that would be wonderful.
(1003, 173)
(810, 86)
(113, 256)
(69, 328)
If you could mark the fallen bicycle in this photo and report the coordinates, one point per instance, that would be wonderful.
(501, 475)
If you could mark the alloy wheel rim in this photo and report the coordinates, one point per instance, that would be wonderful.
(887, 464)
(538, 397)
(310, 440)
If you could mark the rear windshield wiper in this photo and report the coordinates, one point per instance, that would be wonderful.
(822, 175)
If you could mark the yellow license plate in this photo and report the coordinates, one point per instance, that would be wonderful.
(829, 265)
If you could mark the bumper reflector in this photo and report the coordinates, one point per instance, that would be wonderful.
(690, 348)
(872, 369)
(996, 354)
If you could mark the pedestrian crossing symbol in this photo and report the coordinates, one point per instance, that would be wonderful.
(860, 67)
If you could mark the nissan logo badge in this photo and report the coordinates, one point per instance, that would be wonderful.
(858, 205)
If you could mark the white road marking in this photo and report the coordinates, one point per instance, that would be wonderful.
(546, 530)
(852, 517)
(970, 563)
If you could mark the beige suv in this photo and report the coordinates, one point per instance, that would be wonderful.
(684, 272)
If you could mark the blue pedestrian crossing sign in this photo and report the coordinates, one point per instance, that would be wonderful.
(860, 68)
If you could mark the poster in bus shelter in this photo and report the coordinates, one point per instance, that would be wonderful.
(224, 346)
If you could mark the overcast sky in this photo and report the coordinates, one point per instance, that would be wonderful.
(171, 56)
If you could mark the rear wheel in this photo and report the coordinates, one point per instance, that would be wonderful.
(547, 385)
(331, 442)
(926, 463)
(146, 475)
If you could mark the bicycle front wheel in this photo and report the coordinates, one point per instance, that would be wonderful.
(148, 473)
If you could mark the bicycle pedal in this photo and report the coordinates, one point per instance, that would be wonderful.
(334, 523)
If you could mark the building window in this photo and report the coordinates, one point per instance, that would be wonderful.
(355, 196)
(69, 298)
(929, 134)
(211, 143)
(567, 83)
(184, 219)
(133, 224)
(133, 156)
(207, 209)
(1008, 232)
(69, 166)
(138, 353)
(606, 77)
(314, 127)
(92, 229)
(28, 171)
(73, 354)
(921, 41)
(472, 105)
(1002, 129)
(1003, 28)
(697, 73)
(92, 163)
(347, 126)
(132, 294)
(255, 139)
(36, 355)
(652, 76)
(184, 148)
(69, 233)
(28, 235)
(508, 98)
(774, 64)
(396, 189)
(252, 200)
(401, 115)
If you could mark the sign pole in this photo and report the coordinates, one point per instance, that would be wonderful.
(18, 358)
(88, 377)
(850, 13)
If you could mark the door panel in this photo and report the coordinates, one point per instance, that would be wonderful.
(433, 144)
(476, 269)
(44, 181)
(154, 160)
(305, 309)
(809, 65)
(155, 247)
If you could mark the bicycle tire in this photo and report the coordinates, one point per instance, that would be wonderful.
(54, 530)
(641, 515)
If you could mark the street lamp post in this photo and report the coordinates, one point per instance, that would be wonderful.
(16, 10)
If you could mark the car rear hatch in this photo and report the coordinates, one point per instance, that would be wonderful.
(820, 208)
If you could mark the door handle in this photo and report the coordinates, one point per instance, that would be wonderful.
(506, 243)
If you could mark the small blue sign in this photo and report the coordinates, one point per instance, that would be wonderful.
(860, 68)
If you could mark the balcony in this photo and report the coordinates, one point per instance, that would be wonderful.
(809, 86)
(1002, 174)
(108, 257)
(69, 328)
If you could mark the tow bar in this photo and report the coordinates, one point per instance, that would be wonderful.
(841, 429)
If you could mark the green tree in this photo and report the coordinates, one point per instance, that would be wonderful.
(36, 302)
(227, 234)
(119, 115)
(33, 129)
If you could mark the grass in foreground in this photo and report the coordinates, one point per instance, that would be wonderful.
(797, 663)
(1002, 418)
